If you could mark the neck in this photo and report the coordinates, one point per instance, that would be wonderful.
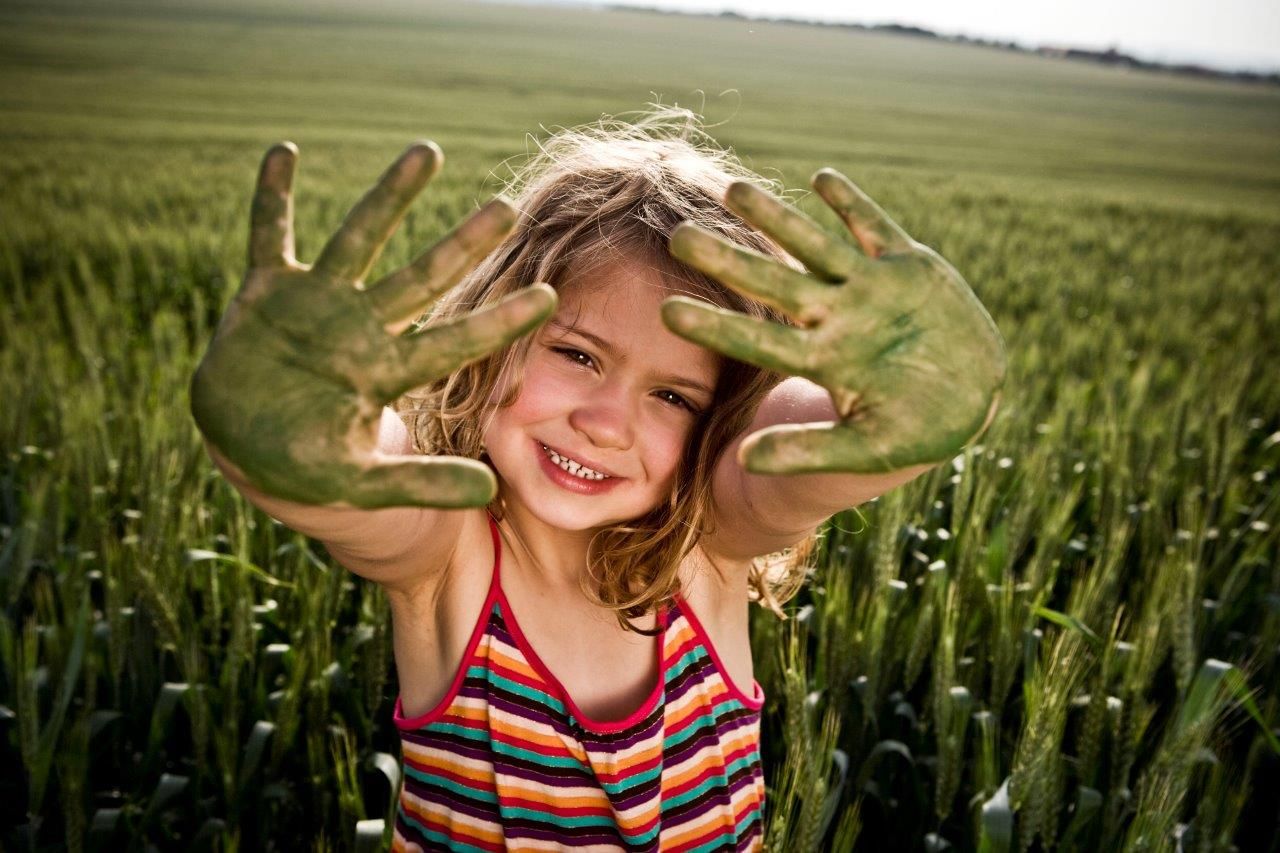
(558, 557)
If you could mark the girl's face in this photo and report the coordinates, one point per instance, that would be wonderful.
(606, 385)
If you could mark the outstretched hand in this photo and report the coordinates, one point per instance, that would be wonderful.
(912, 360)
(292, 388)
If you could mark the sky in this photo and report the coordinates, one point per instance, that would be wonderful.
(1230, 34)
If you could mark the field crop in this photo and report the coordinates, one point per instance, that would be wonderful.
(1067, 638)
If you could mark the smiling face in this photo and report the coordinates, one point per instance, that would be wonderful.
(605, 385)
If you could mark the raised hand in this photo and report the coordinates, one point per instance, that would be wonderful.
(913, 361)
(292, 388)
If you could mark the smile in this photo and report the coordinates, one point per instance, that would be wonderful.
(573, 467)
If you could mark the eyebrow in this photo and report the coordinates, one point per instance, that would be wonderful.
(670, 379)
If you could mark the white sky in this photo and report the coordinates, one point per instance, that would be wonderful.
(1235, 34)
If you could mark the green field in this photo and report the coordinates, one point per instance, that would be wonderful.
(1085, 606)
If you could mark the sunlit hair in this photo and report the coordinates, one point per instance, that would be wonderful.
(615, 190)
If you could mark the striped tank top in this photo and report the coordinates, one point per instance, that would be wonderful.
(507, 761)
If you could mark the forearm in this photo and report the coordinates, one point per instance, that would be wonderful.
(352, 535)
(793, 504)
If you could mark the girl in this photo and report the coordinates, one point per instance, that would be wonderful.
(592, 488)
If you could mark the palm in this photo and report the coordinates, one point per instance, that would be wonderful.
(293, 384)
(913, 361)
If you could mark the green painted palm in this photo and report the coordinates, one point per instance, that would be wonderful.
(292, 388)
(913, 361)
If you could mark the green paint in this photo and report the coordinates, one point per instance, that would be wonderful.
(912, 359)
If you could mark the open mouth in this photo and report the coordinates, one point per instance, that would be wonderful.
(572, 466)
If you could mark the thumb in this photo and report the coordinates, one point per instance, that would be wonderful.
(442, 482)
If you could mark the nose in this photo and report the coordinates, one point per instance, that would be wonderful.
(606, 417)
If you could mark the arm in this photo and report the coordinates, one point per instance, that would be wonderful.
(760, 514)
(396, 547)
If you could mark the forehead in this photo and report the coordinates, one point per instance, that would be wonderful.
(609, 284)
(619, 299)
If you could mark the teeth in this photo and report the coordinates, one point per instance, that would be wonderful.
(581, 471)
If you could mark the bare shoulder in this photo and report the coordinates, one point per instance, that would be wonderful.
(716, 594)
(432, 620)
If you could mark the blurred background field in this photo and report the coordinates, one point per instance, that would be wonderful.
(1067, 638)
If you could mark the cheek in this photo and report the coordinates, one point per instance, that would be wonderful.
(541, 395)
(665, 448)
(544, 394)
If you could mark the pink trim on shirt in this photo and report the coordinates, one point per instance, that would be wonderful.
(476, 633)
(754, 702)
(588, 722)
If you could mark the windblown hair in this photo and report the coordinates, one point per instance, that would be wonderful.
(615, 190)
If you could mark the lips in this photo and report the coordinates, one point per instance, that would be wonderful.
(572, 482)
(581, 460)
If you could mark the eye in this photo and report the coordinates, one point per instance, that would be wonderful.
(577, 356)
(676, 400)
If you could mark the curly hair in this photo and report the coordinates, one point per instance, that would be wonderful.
(617, 189)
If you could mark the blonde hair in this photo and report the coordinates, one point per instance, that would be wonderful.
(616, 189)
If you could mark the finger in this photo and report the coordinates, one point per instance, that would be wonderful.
(271, 216)
(812, 449)
(443, 482)
(826, 257)
(751, 273)
(875, 231)
(769, 345)
(353, 249)
(439, 350)
(404, 294)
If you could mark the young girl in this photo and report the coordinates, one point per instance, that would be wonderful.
(605, 463)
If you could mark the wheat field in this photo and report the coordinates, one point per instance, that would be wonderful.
(1067, 638)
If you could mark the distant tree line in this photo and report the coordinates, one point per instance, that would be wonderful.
(1111, 56)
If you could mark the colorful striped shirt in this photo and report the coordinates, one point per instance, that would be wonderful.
(506, 760)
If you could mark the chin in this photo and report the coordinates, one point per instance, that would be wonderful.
(564, 516)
